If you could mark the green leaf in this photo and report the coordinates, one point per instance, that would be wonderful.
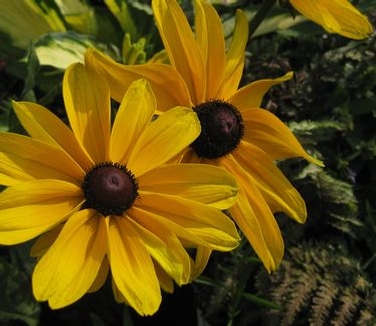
(133, 53)
(79, 15)
(59, 50)
(120, 10)
(25, 21)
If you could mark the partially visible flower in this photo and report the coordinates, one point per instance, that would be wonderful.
(336, 16)
(104, 198)
(236, 134)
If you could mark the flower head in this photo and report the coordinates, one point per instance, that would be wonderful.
(336, 16)
(235, 133)
(104, 199)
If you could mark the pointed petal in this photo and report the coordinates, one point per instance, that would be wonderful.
(179, 124)
(211, 42)
(23, 158)
(235, 57)
(191, 220)
(87, 102)
(273, 185)
(132, 267)
(255, 219)
(163, 245)
(160, 76)
(202, 183)
(337, 16)
(135, 113)
(68, 269)
(181, 46)
(250, 96)
(267, 132)
(31, 208)
(258, 225)
(200, 262)
(41, 124)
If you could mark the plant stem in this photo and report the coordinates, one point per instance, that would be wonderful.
(259, 17)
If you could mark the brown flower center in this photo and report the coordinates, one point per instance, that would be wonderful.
(109, 188)
(221, 129)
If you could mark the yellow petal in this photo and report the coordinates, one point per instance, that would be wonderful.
(135, 113)
(23, 158)
(161, 76)
(210, 40)
(163, 245)
(68, 269)
(336, 16)
(201, 260)
(251, 95)
(41, 124)
(87, 102)
(181, 46)
(101, 276)
(235, 57)
(155, 146)
(45, 241)
(31, 208)
(203, 183)
(267, 132)
(257, 223)
(255, 219)
(187, 218)
(132, 267)
(273, 185)
(165, 281)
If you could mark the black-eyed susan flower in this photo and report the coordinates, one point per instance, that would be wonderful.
(103, 198)
(236, 133)
(335, 16)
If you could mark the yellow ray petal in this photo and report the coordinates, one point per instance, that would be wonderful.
(23, 158)
(135, 113)
(161, 76)
(210, 40)
(235, 58)
(163, 246)
(254, 217)
(45, 241)
(165, 281)
(267, 132)
(101, 276)
(203, 183)
(68, 269)
(50, 200)
(214, 228)
(41, 124)
(181, 46)
(260, 228)
(336, 16)
(250, 96)
(87, 102)
(179, 124)
(273, 185)
(132, 267)
(201, 260)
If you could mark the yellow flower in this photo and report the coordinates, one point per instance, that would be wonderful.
(236, 133)
(103, 197)
(336, 16)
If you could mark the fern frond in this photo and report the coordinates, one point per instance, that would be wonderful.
(345, 311)
(322, 303)
(300, 293)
